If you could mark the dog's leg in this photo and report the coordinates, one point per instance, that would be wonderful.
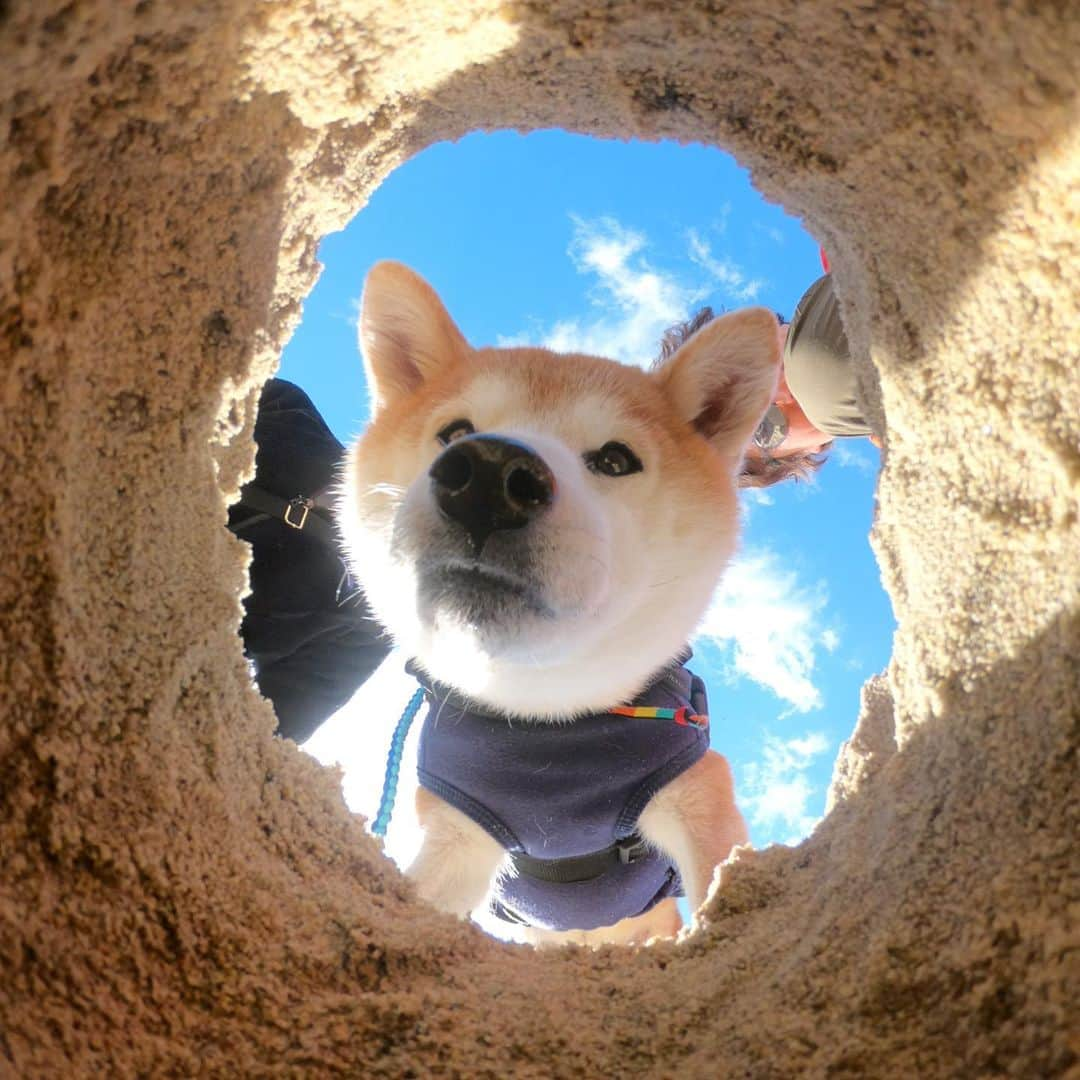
(660, 922)
(458, 860)
(694, 820)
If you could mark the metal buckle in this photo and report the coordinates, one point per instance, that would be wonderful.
(686, 717)
(299, 503)
(632, 849)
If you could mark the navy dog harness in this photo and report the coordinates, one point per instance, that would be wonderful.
(564, 797)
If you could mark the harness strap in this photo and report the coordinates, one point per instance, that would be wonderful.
(298, 513)
(683, 715)
(581, 867)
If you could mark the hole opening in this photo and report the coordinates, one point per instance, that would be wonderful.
(777, 594)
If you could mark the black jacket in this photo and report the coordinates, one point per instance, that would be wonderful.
(307, 631)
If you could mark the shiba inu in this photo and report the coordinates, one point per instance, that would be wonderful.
(542, 534)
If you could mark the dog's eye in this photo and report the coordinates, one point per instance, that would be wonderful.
(613, 459)
(456, 429)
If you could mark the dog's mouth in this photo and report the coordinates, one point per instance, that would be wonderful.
(477, 591)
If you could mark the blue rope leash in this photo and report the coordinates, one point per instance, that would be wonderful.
(393, 764)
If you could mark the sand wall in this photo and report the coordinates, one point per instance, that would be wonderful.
(181, 894)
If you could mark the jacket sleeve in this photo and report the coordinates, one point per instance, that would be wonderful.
(310, 648)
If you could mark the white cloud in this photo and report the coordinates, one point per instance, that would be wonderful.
(830, 640)
(775, 792)
(751, 499)
(758, 496)
(851, 457)
(719, 223)
(728, 276)
(768, 623)
(632, 302)
(771, 231)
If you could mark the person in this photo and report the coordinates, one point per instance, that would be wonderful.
(816, 399)
(307, 631)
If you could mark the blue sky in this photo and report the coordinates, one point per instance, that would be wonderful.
(598, 246)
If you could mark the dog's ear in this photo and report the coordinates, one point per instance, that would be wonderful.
(724, 377)
(405, 333)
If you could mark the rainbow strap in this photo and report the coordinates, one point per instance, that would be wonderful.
(681, 715)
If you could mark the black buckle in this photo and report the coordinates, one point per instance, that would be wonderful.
(577, 868)
(632, 849)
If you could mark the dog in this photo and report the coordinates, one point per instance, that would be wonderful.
(542, 533)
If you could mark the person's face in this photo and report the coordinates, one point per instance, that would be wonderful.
(801, 435)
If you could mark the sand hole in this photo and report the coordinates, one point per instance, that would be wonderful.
(184, 895)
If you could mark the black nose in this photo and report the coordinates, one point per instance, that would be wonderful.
(488, 483)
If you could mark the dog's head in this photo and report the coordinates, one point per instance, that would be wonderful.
(541, 531)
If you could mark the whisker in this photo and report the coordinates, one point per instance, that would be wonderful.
(571, 527)
(438, 711)
(668, 581)
(600, 562)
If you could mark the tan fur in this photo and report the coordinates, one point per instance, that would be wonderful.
(657, 924)
(694, 820)
(458, 860)
(625, 566)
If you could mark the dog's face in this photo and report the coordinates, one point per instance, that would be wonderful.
(543, 532)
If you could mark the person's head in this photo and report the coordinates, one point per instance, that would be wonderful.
(799, 454)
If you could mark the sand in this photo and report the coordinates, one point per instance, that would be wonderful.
(183, 895)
